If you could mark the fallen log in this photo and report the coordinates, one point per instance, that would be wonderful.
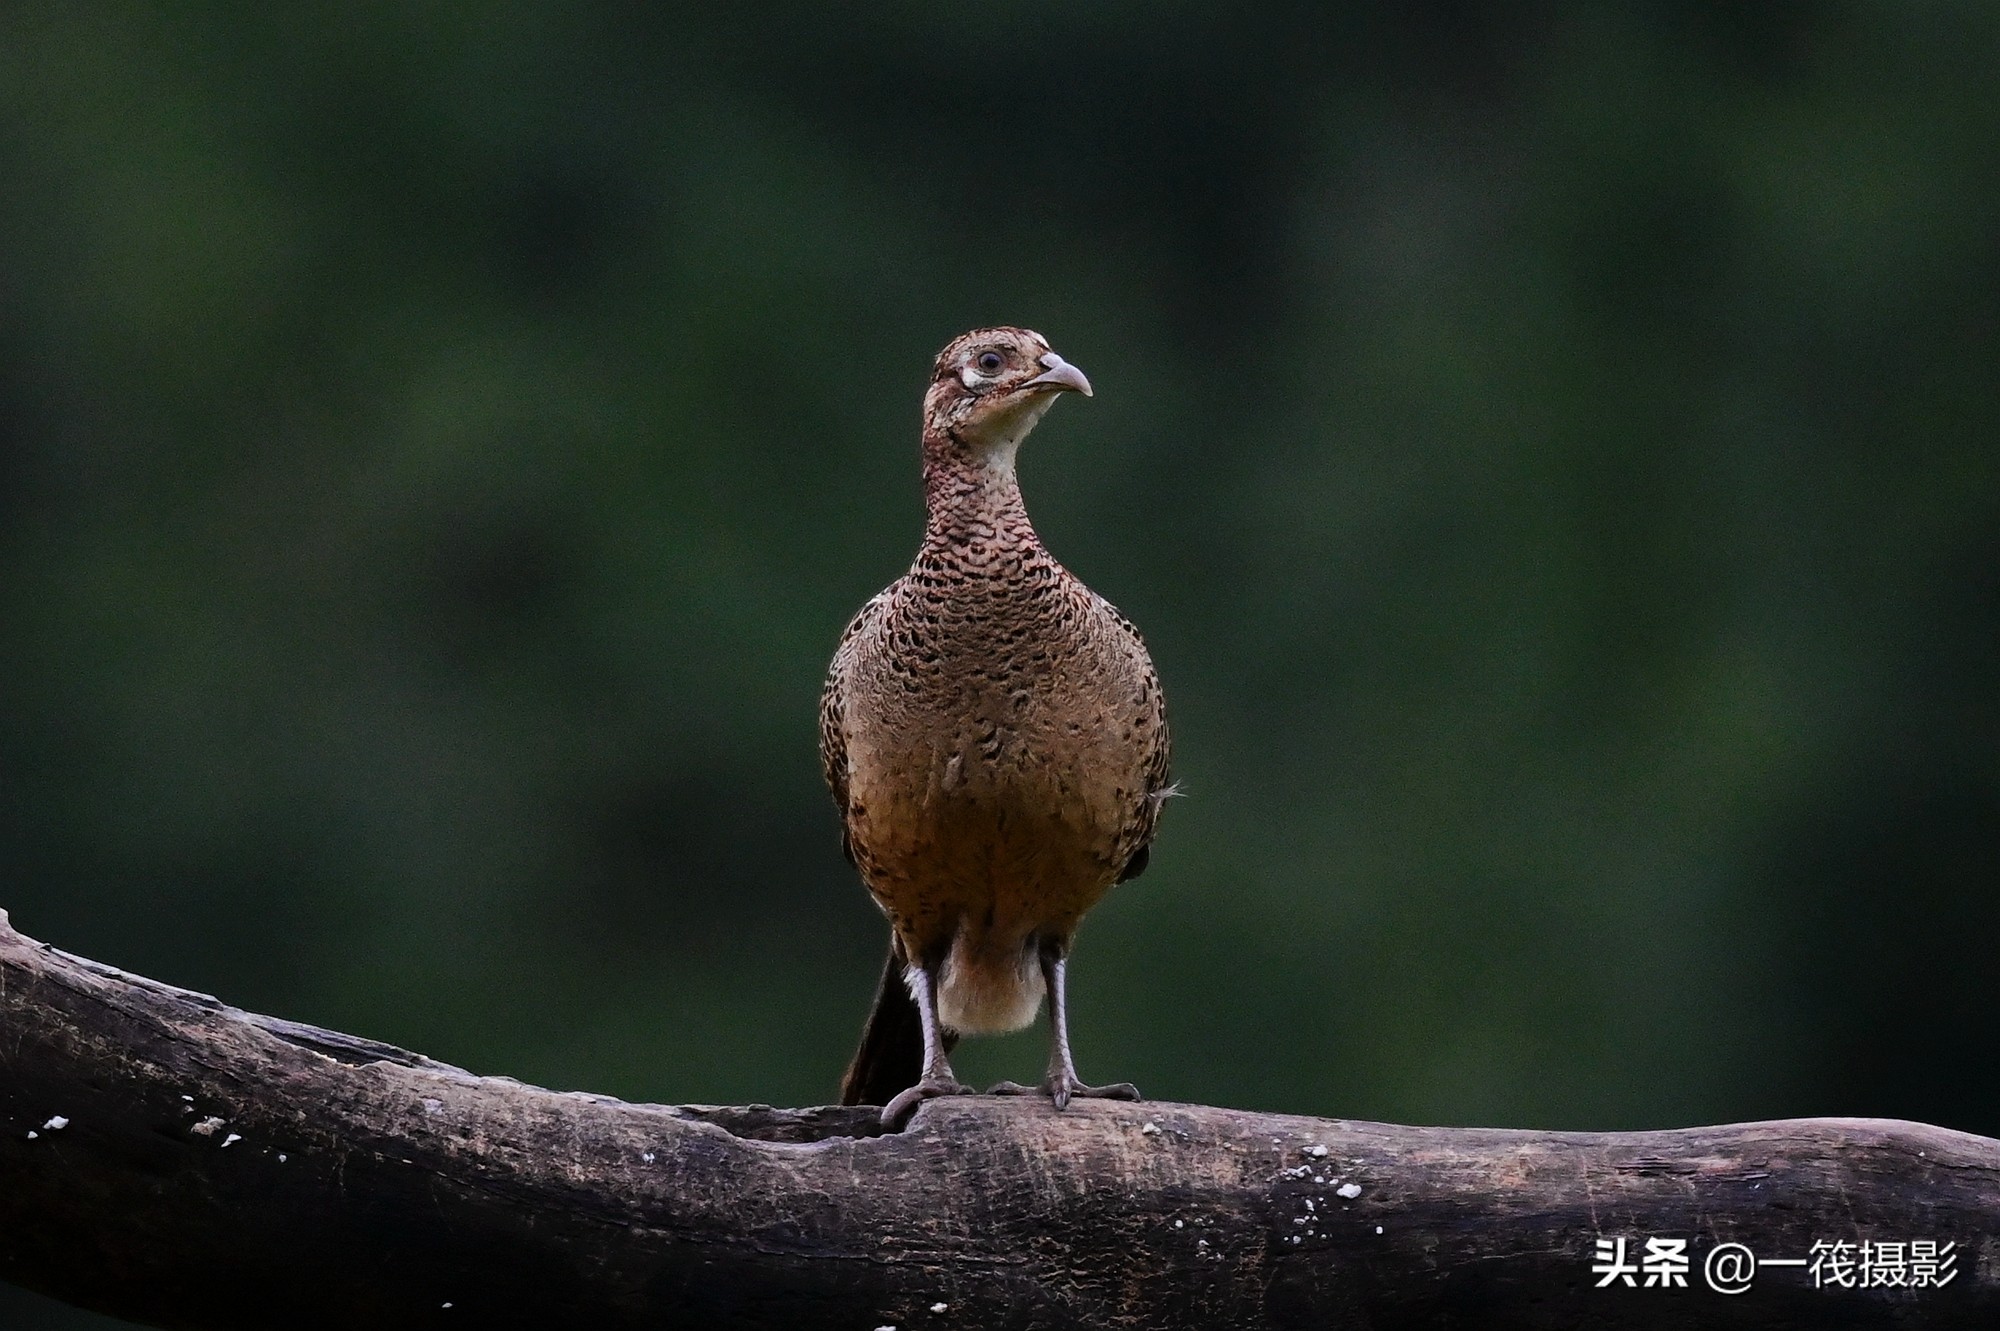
(172, 1160)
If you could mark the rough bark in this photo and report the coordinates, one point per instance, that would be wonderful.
(172, 1160)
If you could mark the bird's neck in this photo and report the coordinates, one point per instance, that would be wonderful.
(973, 501)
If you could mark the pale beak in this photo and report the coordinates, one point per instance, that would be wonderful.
(1059, 374)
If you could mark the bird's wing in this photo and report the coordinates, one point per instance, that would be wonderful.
(833, 708)
(1159, 781)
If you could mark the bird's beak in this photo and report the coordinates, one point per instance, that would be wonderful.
(1059, 375)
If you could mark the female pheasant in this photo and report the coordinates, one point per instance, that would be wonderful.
(996, 740)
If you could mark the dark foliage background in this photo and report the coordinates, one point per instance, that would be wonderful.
(1549, 448)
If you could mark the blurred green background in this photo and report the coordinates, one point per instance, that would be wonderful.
(1550, 450)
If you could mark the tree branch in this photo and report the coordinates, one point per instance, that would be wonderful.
(172, 1160)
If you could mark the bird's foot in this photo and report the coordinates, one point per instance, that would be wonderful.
(1062, 1089)
(897, 1110)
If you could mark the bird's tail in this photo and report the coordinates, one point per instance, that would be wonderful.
(891, 1056)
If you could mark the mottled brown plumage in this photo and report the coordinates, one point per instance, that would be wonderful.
(995, 738)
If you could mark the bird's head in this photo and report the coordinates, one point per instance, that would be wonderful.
(990, 386)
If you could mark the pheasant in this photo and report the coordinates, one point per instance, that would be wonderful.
(995, 738)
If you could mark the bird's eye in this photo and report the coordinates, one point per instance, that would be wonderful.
(990, 362)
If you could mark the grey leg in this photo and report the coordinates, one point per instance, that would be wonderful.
(1062, 1083)
(937, 1076)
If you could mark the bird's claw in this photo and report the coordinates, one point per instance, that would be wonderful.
(930, 1088)
(1062, 1089)
(1117, 1090)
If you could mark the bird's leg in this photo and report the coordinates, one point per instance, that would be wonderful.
(937, 1078)
(1061, 1083)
